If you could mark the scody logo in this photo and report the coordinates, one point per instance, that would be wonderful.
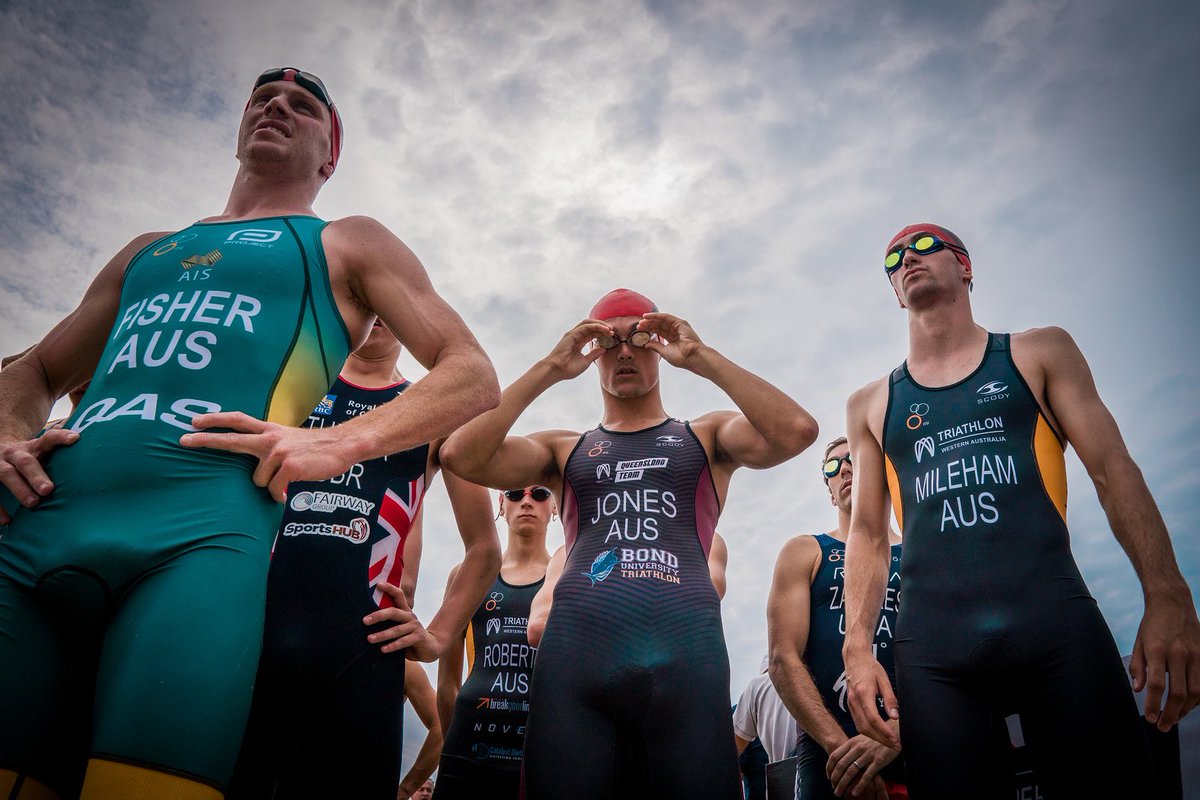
(991, 391)
(924, 446)
(669, 441)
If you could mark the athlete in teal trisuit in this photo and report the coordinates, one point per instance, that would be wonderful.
(132, 573)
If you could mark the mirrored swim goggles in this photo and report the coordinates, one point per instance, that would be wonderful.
(539, 494)
(833, 466)
(636, 339)
(922, 246)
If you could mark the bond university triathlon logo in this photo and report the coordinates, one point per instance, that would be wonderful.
(602, 566)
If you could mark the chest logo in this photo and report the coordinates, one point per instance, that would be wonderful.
(493, 626)
(599, 448)
(202, 259)
(924, 447)
(994, 387)
(325, 407)
(602, 566)
(493, 601)
(256, 236)
(917, 412)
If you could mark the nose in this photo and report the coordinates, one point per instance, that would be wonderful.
(276, 104)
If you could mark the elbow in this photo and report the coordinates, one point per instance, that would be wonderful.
(804, 432)
(455, 456)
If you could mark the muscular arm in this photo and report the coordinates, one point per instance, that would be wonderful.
(450, 667)
(414, 545)
(483, 452)
(481, 563)
(1168, 640)
(63, 359)
(788, 614)
(539, 609)
(771, 427)
(867, 551)
(372, 272)
(420, 693)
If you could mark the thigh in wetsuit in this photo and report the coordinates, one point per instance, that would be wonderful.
(482, 753)
(630, 695)
(328, 704)
(142, 575)
(996, 617)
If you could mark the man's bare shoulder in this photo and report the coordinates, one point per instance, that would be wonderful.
(866, 397)
(559, 440)
(799, 552)
(1049, 341)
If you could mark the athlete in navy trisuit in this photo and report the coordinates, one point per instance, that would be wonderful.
(968, 436)
(630, 695)
(485, 717)
(172, 690)
(804, 630)
(347, 554)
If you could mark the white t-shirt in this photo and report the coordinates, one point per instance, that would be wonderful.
(760, 713)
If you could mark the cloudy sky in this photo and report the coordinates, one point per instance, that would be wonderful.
(743, 164)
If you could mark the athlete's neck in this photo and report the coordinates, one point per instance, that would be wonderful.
(525, 559)
(633, 413)
(269, 194)
(372, 372)
(944, 342)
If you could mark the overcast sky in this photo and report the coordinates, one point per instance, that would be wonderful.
(743, 164)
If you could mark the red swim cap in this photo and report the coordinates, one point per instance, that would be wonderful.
(944, 234)
(622, 303)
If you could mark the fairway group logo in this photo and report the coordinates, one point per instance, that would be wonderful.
(258, 237)
(924, 447)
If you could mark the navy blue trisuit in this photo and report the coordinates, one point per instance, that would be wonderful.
(630, 693)
(328, 705)
(996, 617)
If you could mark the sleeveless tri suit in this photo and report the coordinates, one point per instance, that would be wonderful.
(142, 575)
(823, 657)
(482, 753)
(630, 695)
(328, 704)
(996, 617)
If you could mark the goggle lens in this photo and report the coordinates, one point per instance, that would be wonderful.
(540, 494)
(306, 80)
(636, 339)
(923, 246)
(834, 465)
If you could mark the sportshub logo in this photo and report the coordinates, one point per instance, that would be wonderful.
(924, 447)
(325, 407)
(917, 412)
(603, 471)
(202, 259)
(358, 531)
(993, 390)
(633, 470)
(669, 440)
(258, 237)
(493, 626)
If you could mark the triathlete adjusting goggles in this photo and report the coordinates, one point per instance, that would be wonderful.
(314, 86)
(539, 494)
(636, 339)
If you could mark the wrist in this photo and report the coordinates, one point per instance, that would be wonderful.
(705, 362)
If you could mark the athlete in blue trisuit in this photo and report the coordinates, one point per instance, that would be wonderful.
(485, 716)
(349, 548)
(133, 565)
(805, 624)
(968, 436)
(630, 693)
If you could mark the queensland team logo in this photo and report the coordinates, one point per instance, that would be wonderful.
(917, 412)
(633, 470)
(325, 407)
(924, 447)
(602, 566)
